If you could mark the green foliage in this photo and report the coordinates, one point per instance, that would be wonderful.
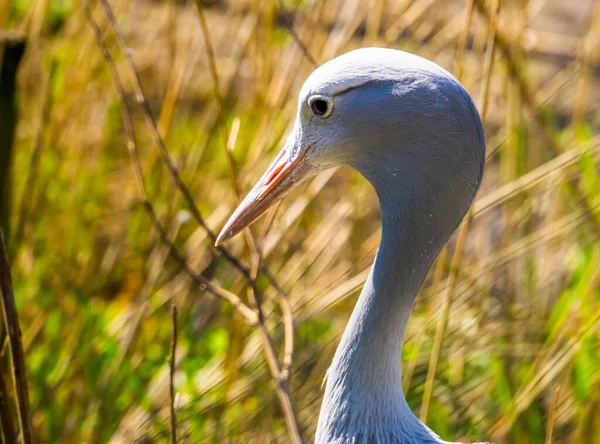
(94, 283)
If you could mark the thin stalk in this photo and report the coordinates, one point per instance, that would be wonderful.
(17, 358)
(7, 429)
(551, 419)
(172, 364)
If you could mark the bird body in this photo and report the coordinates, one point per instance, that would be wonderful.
(413, 132)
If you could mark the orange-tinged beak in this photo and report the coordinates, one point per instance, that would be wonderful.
(282, 176)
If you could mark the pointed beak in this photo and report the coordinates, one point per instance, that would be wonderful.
(283, 175)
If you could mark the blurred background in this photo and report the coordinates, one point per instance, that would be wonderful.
(211, 87)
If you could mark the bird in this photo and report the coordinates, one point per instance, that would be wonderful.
(412, 130)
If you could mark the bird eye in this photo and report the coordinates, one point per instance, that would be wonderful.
(320, 105)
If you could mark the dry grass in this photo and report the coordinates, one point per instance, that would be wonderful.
(515, 301)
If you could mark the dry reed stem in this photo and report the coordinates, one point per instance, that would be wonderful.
(551, 419)
(443, 321)
(176, 80)
(406, 18)
(7, 428)
(589, 54)
(462, 40)
(295, 36)
(17, 358)
(172, 364)
(489, 58)
(32, 172)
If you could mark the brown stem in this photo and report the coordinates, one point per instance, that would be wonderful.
(11, 322)
(12, 47)
(7, 428)
(172, 374)
(296, 37)
(26, 203)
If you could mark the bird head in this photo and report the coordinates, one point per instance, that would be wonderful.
(386, 113)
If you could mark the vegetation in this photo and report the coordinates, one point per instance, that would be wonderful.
(504, 340)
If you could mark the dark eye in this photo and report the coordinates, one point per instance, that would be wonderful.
(320, 105)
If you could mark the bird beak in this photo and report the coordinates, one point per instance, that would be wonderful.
(287, 171)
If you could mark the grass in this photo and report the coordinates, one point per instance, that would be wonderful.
(518, 354)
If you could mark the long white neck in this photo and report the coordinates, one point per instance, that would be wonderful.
(364, 401)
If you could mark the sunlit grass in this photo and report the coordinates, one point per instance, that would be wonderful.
(94, 283)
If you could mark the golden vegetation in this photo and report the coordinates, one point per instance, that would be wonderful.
(126, 162)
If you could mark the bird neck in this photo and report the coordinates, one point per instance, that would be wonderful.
(363, 396)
